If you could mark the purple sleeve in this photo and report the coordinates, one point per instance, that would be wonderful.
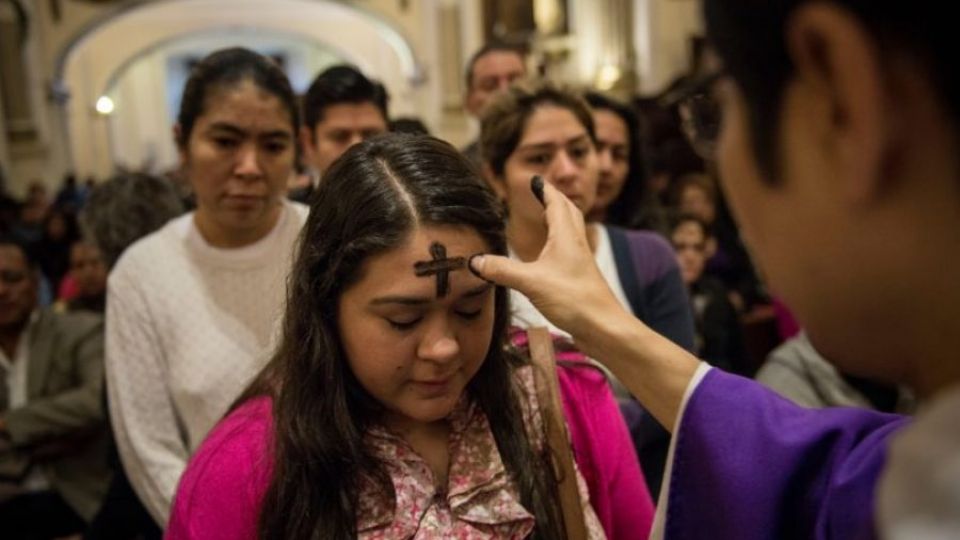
(219, 495)
(605, 454)
(749, 464)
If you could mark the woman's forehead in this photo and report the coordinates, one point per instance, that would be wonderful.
(551, 122)
(441, 246)
(246, 105)
(428, 255)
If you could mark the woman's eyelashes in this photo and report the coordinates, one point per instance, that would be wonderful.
(469, 315)
(226, 143)
(577, 151)
(405, 324)
(539, 160)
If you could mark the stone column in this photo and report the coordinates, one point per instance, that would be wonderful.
(26, 99)
(450, 54)
(605, 56)
(4, 153)
(14, 90)
(456, 30)
(663, 31)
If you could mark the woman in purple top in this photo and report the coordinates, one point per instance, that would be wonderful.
(540, 128)
(394, 407)
(837, 149)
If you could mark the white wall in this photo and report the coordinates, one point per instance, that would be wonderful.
(365, 40)
(662, 32)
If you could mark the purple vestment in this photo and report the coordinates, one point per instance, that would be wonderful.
(750, 464)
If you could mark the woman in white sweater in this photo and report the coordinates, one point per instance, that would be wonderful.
(193, 308)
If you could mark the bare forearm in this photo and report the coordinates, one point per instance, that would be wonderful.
(654, 369)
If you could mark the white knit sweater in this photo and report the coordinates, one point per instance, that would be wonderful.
(188, 327)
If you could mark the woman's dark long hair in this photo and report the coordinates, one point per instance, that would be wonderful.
(369, 202)
(635, 207)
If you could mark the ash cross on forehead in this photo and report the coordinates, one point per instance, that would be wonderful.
(440, 266)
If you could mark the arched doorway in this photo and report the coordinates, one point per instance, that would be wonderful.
(139, 52)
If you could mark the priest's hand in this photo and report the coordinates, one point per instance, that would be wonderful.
(563, 283)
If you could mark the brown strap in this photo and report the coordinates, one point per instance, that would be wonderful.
(551, 410)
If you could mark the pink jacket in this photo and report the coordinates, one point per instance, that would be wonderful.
(605, 454)
(221, 491)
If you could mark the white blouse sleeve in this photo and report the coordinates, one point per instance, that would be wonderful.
(148, 436)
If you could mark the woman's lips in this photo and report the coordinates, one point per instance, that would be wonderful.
(243, 200)
(433, 387)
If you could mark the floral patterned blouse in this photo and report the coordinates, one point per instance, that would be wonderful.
(479, 501)
(219, 495)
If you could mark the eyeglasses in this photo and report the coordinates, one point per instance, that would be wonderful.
(700, 113)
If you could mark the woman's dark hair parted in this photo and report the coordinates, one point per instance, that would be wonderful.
(636, 206)
(369, 203)
(225, 69)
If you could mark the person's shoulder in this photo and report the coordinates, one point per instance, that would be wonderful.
(298, 210)
(798, 353)
(574, 369)
(652, 249)
(648, 240)
(582, 377)
(241, 435)
(144, 254)
(235, 456)
(219, 493)
(587, 395)
(71, 324)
